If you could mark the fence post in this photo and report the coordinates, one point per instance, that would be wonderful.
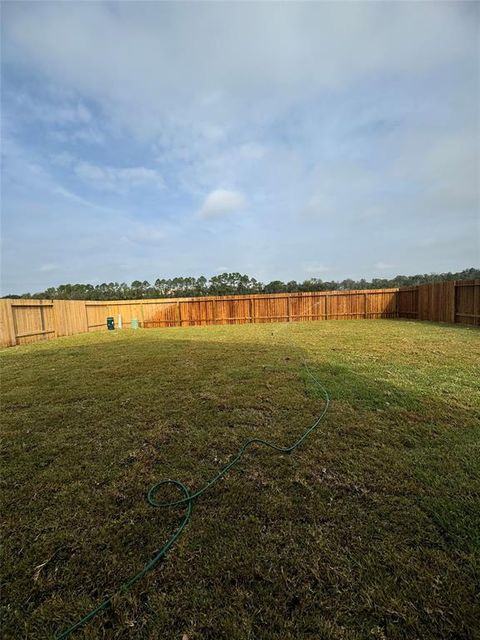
(13, 324)
(86, 316)
(8, 334)
(365, 302)
(288, 309)
(453, 308)
(476, 302)
(56, 319)
(179, 316)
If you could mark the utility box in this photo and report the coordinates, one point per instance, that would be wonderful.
(134, 323)
(110, 323)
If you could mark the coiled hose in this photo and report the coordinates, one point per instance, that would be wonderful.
(187, 502)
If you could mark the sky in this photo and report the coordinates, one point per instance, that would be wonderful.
(282, 140)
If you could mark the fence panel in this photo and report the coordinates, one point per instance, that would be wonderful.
(453, 301)
(160, 314)
(32, 320)
(382, 304)
(436, 302)
(407, 303)
(270, 309)
(467, 302)
(347, 307)
(69, 317)
(304, 307)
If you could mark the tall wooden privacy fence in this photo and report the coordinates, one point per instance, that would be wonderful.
(24, 321)
(454, 301)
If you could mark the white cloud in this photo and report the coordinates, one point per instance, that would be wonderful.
(149, 234)
(62, 159)
(315, 268)
(117, 179)
(60, 111)
(221, 202)
(87, 135)
(383, 265)
(48, 268)
(252, 151)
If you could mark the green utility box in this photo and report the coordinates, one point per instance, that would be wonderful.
(134, 323)
(110, 323)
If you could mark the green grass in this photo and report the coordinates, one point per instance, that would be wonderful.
(370, 530)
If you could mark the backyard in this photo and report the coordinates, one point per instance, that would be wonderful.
(371, 529)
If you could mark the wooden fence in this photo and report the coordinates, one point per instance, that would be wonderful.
(24, 321)
(454, 301)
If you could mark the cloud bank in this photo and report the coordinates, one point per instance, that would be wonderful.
(278, 139)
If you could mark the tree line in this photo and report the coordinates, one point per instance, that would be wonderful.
(229, 284)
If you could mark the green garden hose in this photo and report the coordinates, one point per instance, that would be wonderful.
(187, 501)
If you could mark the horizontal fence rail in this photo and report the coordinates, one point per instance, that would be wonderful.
(24, 321)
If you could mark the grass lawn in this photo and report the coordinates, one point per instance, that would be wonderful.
(370, 530)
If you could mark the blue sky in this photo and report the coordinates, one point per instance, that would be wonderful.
(283, 140)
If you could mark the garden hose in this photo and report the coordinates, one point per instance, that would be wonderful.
(187, 499)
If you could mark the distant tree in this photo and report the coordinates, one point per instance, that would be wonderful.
(228, 284)
(292, 286)
(201, 286)
(276, 286)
